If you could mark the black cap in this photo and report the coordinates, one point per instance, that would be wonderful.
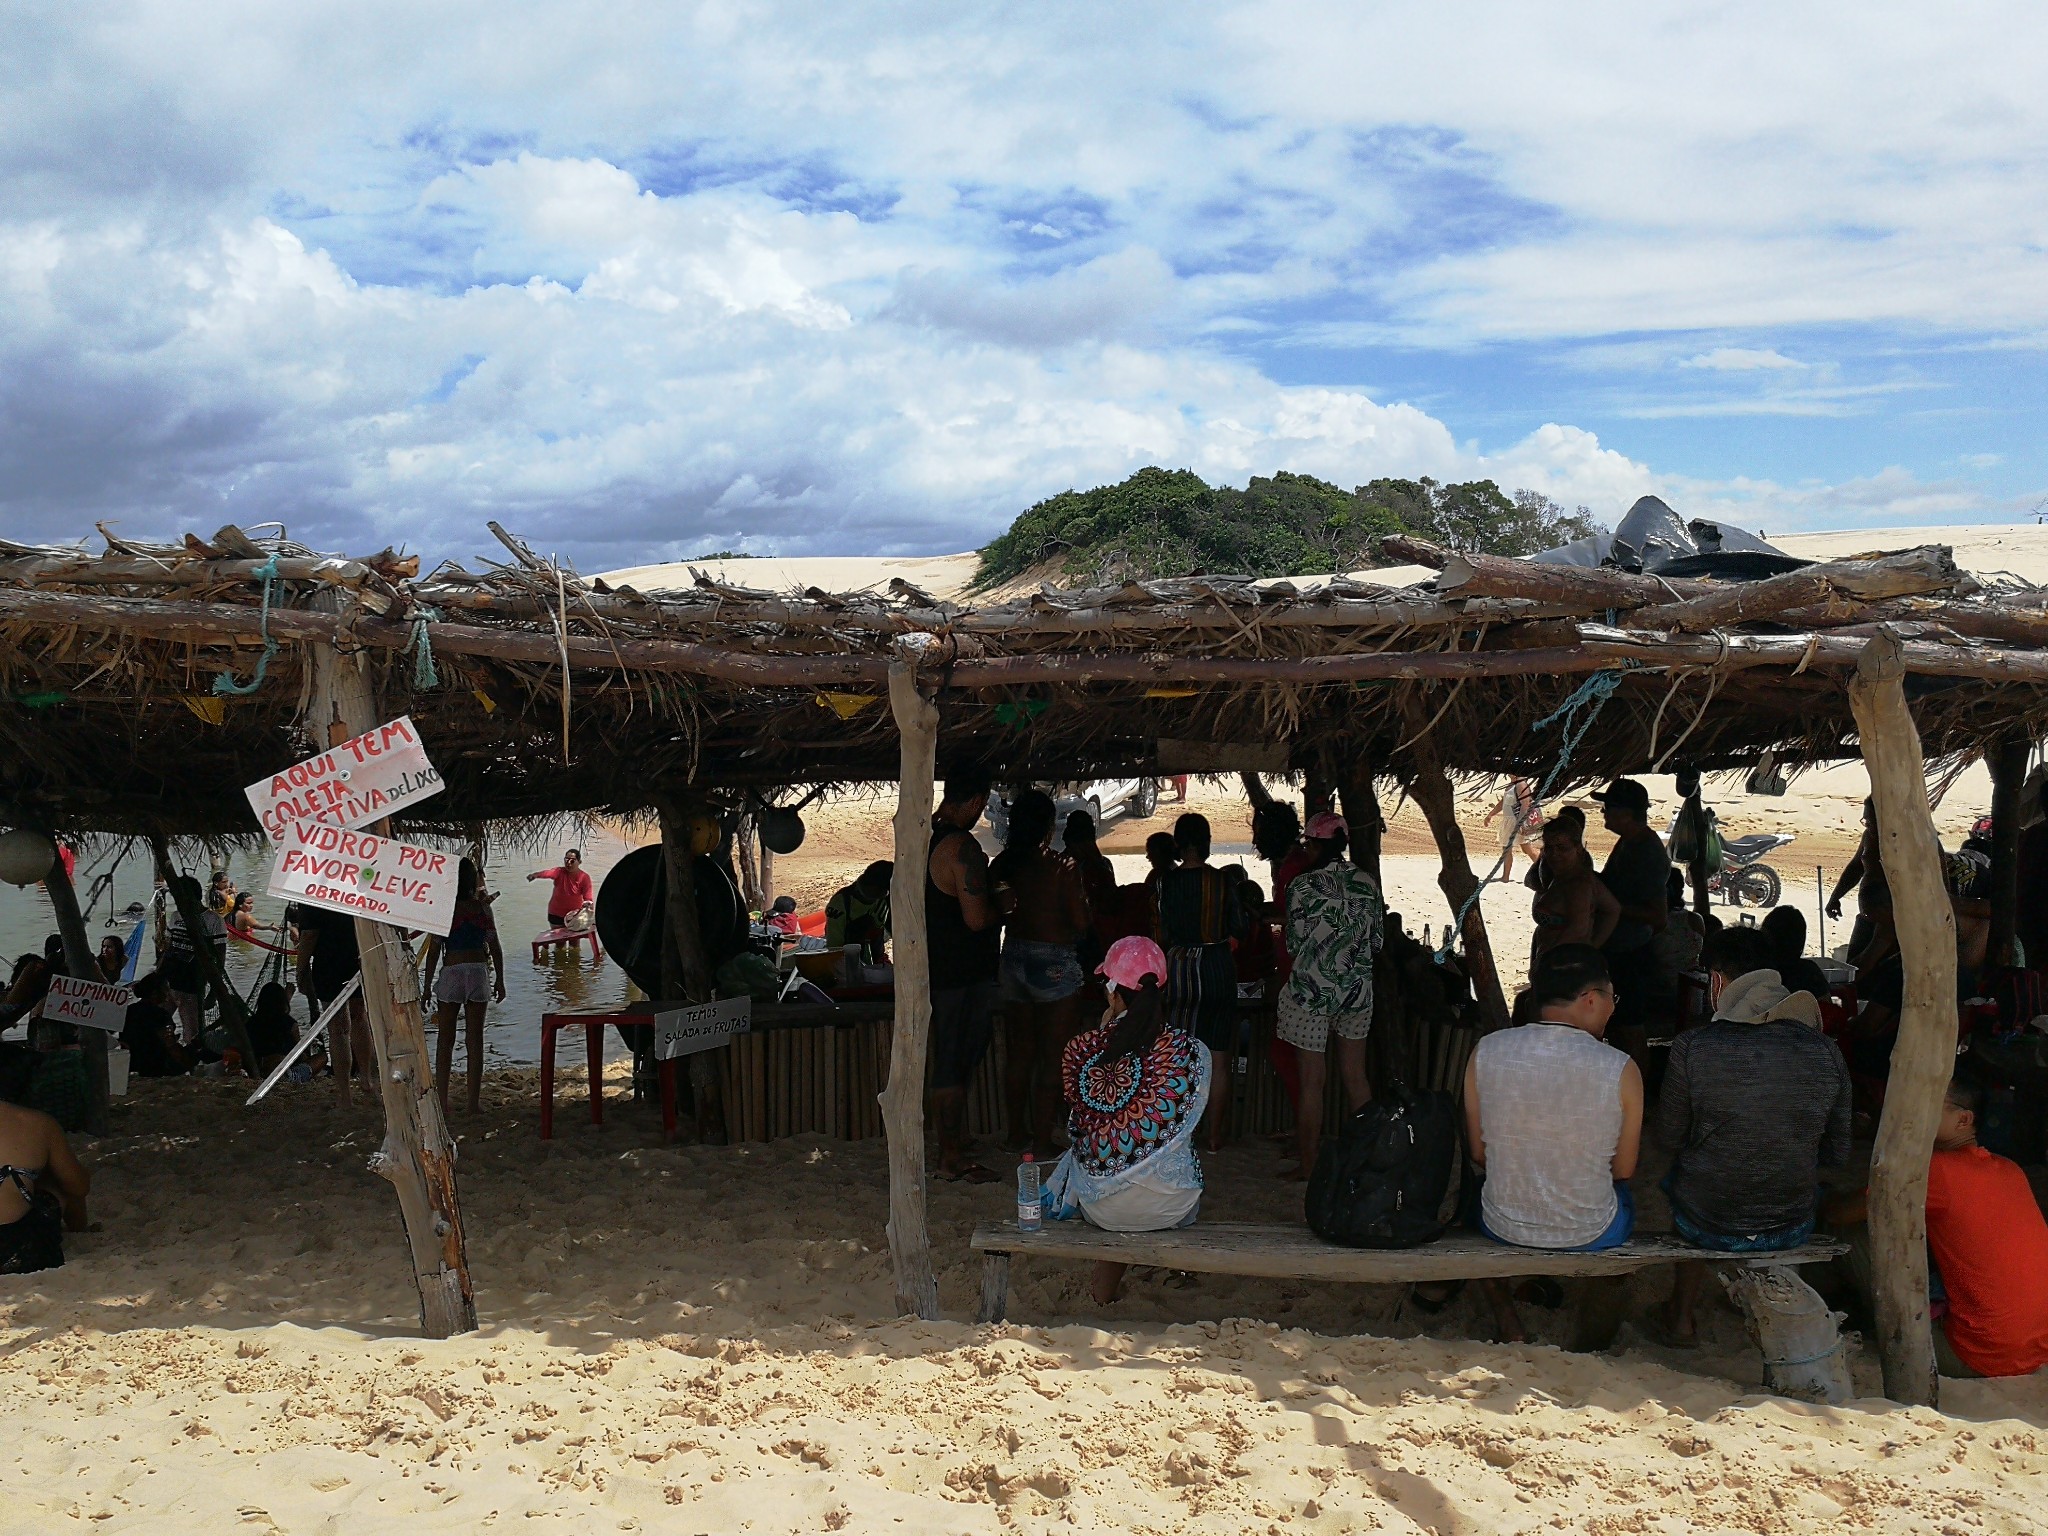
(1627, 794)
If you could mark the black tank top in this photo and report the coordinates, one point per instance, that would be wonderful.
(959, 956)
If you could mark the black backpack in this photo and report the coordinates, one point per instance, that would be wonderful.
(1380, 1181)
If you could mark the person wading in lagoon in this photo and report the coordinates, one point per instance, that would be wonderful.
(573, 899)
(1045, 912)
(472, 964)
(963, 941)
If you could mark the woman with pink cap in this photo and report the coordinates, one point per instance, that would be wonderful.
(1136, 1086)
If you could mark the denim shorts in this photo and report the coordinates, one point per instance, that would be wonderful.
(1701, 1236)
(1036, 972)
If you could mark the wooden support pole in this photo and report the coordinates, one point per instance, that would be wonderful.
(1430, 788)
(910, 1245)
(686, 969)
(234, 1016)
(1362, 816)
(418, 1154)
(2007, 761)
(80, 961)
(1924, 1057)
(1696, 866)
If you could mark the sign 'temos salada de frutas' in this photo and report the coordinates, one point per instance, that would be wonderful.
(375, 774)
(364, 875)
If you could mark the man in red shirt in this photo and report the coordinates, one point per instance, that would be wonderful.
(1989, 1240)
(1987, 1237)
(572, 893)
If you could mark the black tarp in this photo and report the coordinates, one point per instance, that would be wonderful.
(1654, 539)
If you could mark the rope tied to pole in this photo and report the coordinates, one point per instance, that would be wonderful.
(425, 674)
(1578, 713)
(224, 683)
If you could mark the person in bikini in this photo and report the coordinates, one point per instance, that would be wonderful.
(472, 965)
(1574, 906)
(1045, 907)
(42, 1191)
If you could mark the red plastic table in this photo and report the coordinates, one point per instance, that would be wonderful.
(571, 937)
(593, 1027)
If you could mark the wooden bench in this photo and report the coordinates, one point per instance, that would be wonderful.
(1792, 1325)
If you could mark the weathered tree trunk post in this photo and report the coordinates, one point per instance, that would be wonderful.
(749, 864)
(80, 961)
(1362, 815)
(1924, 1056)
(2008, 764)
(685, 968)
(1430, 788)
(418, 1154)
(910, 1246)
(234, 1017)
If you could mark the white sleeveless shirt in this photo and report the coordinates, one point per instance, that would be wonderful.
(1550, 1112)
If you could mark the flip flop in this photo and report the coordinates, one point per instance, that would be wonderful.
(968, 1173)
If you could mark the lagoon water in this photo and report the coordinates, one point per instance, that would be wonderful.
(564, 979)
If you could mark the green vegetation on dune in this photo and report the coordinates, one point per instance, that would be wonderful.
(1170, 522)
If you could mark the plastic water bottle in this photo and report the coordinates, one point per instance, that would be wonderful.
(1030, 1212)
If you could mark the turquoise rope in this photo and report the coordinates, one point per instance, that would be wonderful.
(424, 673)
(224, 682)
(1587, 699)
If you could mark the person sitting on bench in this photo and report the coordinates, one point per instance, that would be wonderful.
(1136, 1086)
(1753, 1105)
(1989, 1244)
(1554, 1118)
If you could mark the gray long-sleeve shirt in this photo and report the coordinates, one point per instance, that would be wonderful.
(1752, 1112)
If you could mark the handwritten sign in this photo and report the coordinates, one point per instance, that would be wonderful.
(371, 775)
(379, 878)
(96, 1004)
(686, 1031)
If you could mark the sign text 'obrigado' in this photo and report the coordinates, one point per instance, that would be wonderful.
(379, 878)
(371, 775)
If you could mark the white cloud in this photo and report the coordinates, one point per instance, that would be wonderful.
(647, 275)
(1740, 360)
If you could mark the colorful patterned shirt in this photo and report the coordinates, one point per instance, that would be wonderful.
(1334, 931)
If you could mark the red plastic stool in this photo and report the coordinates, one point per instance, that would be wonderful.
(571, 937)
(593, 1027)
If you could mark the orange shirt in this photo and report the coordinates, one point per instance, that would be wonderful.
(1991, 1243)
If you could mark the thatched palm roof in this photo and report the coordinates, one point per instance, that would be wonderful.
(540, 692)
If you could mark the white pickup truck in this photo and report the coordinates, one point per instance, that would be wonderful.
(1100, 798)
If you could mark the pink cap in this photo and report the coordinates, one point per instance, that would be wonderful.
(1325, 825)
(1131, 960)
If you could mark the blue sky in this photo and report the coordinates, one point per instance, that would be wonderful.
(651, 279)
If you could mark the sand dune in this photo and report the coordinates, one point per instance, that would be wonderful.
(2020, 549)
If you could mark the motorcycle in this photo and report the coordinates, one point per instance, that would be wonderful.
(1741, 880)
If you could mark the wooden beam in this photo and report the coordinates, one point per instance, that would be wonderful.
(418, 1154)
(910, 1246)
(1924, 1057)
(81, 962)
(328, 570)
(1430, 788)
(2007, 760)
(1908, 573)
(1599, 647)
